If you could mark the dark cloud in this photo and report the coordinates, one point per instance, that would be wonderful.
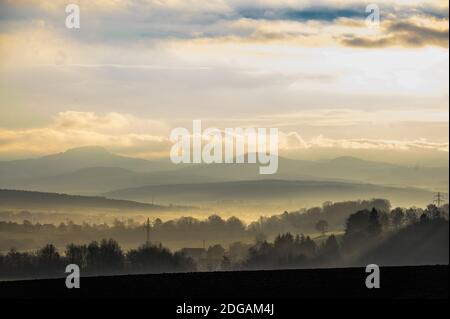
(434, 12)
(141, 21)
(333, 13)
(418, 36)
(306, 14)
(361, 42)
(401, 34)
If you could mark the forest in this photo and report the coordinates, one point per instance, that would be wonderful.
(18, 230)
(396, 237)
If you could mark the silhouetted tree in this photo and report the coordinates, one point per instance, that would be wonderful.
(421, 243)
(238, 251)
(284, 248)
(305, 246)
(76, 255)
(374, 228)
(49, 260)
(48, 255)
(110, 254)
(150, 258)
(411, 216)
(384, 220)
(329, 251)
(397, 217)
(215, 252)
(362, 229)
(322, 226)
(424, 218)
(93, 256)
(432, 211)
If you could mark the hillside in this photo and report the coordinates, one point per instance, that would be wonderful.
(38, 200)
(97, 180)
(414, 245)
(70, 161)
(94, 170)
(338, 169)
(272, 191)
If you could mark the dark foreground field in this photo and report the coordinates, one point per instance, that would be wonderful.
(396, 282)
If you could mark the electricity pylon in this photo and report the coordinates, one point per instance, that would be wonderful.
(147, 228)
(438, 199)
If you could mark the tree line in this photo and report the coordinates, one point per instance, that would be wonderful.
(365, 232)
(96, 258)
(409, 230)
(212, 228)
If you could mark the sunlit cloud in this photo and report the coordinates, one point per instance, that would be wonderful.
(136, 69)
(402, 34)
(129, 135)
(72, 129)
(293, 141)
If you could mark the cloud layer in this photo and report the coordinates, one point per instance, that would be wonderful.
(133, 136)
(137, 69)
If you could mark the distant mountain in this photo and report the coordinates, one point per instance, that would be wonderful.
(94, 170)
(73, 160)
(382, 173)
(339, 169)
(97, 180)
(287, 169)
(272, 191)
(52, 201)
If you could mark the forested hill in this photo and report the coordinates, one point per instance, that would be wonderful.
(39, 200)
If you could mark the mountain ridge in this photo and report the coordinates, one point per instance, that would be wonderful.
(93, 170)
(20, 199)
(303, 193)
(72, 160)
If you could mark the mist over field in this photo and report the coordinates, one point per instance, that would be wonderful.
(218, 216)
(351, 112)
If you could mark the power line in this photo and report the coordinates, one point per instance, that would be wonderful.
(147, 228)
(438, 199)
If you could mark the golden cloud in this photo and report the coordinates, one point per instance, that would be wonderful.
(405, 34)
(140, 137)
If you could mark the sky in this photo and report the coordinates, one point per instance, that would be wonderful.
(331, 83)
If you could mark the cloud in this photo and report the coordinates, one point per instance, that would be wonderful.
(404, 34)
(46, 140)
(304, 14)
(114, 123)
(293, 141)
(132, 136)
(174, 60)
(73, 129)
(416, 35)
(152, 21)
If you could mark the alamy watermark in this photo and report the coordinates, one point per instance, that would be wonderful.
(73, 17)
(73, 277)
(373, 280)
(373, 17)
(232, 145)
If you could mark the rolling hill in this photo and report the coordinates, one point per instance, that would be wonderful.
(14, 199)
(272, 191)
(94, 170)
(338, 169)
(70, 161)
(97, 180)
